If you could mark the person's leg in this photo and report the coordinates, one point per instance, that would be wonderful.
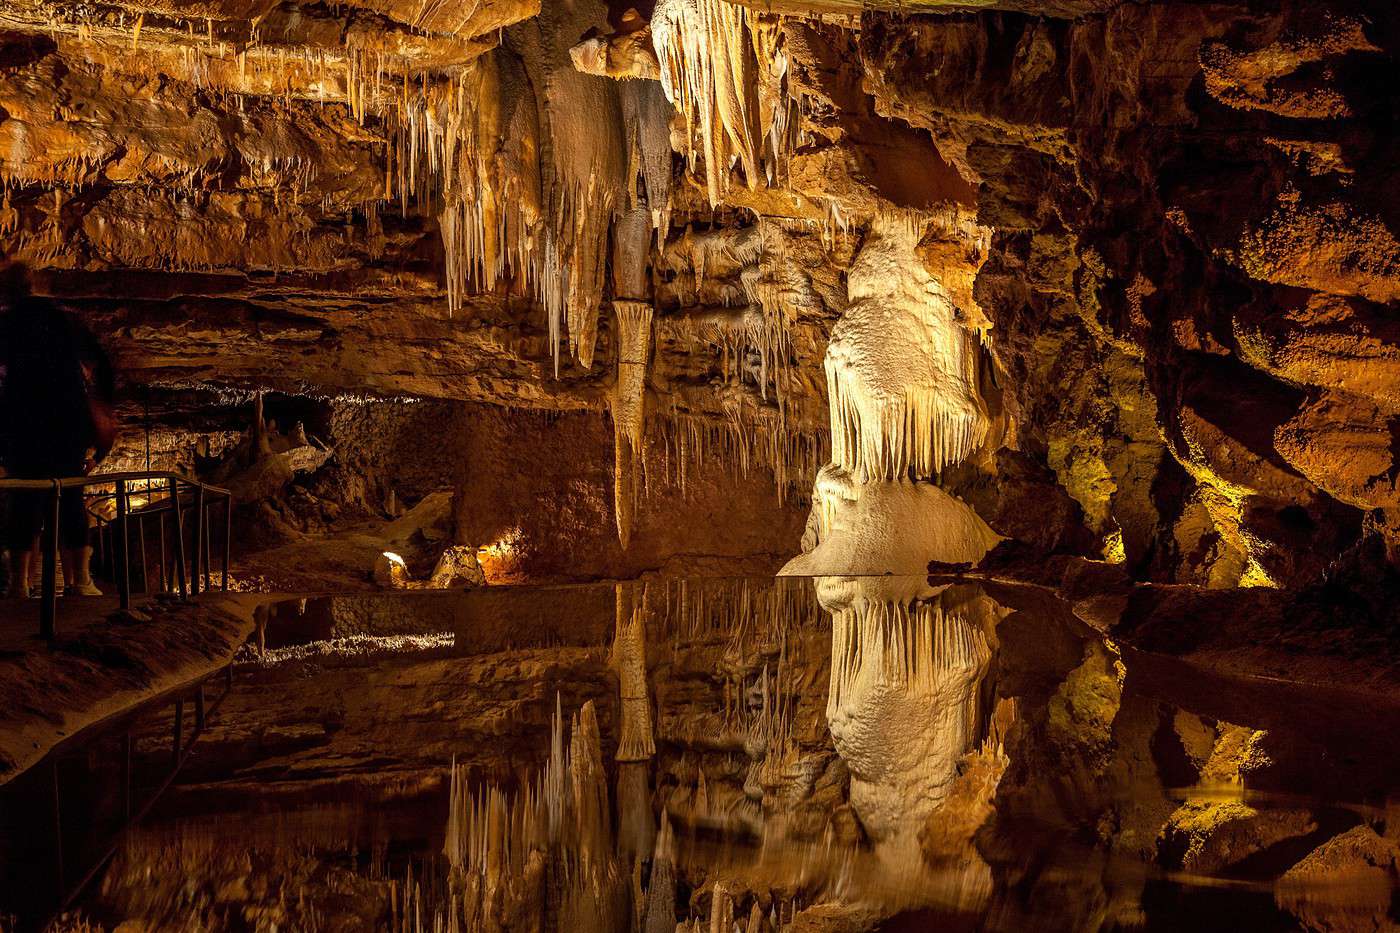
(22, 535)
(77, 549)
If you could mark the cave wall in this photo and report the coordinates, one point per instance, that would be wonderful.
(542, 484)
(1191, 265)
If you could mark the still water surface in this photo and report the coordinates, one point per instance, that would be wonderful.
(753, 755)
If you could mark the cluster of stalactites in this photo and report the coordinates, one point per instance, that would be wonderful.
(458, 149)
(724, 72)
(470, 148)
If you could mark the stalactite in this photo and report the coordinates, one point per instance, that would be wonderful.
(709, 72)
(688, 444)
(629, 409)
(583, 147)
(646, 115)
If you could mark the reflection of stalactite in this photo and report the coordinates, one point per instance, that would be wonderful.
(629, 658)
(688, 444)
(636, 822)
(661, 893)
(559, 823)
(749, 614)
(629, 409)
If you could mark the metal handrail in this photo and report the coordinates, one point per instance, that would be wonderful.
(48, 610)
(102, 479)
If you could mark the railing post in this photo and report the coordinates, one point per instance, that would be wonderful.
(164, 562)
(141, 541)
(179, 732)
(123, 547)
(180, 576)
(126, 775)
(200, 563)
(58, 826)
(48, 608)
(228, 535)
(101, 545)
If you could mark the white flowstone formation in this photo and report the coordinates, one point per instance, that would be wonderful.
(900, 370)
(902, 385)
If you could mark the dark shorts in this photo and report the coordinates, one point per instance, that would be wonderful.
(28, 513)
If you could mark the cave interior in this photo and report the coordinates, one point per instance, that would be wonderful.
(778, 466)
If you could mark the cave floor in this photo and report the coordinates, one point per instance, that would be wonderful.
(103, 662)
(784, 748)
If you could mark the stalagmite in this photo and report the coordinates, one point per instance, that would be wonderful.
(636, 741)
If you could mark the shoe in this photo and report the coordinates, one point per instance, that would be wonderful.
(82, 589)
(18, 591)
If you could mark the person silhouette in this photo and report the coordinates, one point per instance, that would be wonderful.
(56, 391)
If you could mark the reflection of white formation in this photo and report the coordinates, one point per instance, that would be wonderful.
(902, 380)
(886, 527)
(903, 706)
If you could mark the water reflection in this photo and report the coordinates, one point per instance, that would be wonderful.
(854, 753)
